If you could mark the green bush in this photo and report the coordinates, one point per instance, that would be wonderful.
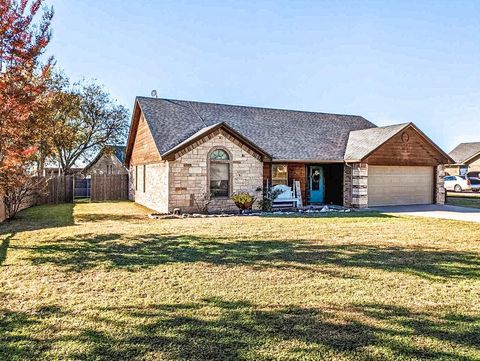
(268, 197)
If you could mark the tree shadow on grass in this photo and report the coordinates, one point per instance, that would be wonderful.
(111, 250)
(5, 242)
(34, 218)
(17, 341)
(219, 329)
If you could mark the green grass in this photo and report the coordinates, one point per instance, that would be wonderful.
(101, 281)
(464, 201)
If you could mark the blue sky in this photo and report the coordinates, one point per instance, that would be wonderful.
(389, 61)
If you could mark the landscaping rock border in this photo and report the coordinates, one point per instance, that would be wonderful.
(324, 209)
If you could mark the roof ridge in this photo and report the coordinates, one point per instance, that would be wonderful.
(252, 106)
(382, 127)
(469, 143)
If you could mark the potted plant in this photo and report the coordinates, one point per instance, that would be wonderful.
(243, 200)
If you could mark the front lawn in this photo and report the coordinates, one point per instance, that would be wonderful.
(101, 281)
(471, 200)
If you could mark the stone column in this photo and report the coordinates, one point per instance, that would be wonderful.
(347, 185)
(359, 185)
(440, 194)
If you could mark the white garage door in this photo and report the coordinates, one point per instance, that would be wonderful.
(399, 185)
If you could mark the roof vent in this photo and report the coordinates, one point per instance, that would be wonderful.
(154, 94)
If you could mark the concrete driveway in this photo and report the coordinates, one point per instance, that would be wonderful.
(434, 211)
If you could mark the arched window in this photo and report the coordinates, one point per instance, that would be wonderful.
(219, 173)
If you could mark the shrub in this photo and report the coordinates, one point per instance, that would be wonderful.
(268, 197)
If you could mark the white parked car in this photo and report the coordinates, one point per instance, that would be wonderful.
(457, 183)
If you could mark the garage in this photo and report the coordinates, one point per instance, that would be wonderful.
(400, 185)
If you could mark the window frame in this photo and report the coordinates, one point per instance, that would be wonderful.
(136, 177)
(144, 178)
(286, 173)
(229, 162)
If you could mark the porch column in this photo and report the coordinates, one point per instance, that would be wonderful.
(347, 185)
(440, 185)
(355, 185)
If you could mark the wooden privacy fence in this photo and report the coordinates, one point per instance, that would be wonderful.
(59, 189)
(106, 187)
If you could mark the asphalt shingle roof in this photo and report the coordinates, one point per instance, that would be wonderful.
(284, 134)
(464, 151)
(362, 142)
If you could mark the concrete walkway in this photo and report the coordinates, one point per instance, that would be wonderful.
(434, 211)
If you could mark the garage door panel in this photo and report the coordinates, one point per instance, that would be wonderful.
(398, 185)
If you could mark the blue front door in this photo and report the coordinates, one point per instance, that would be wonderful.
(317, 193)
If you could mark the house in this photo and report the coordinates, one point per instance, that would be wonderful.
(56, 171)
(466, 158)
(110, 160)
(182, 152)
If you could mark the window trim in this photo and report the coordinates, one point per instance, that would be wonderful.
(230, 172)
(136, 177)
(144, 178)
(279, 164)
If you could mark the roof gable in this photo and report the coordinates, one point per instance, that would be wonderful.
(415, 148)
(362, 142)
(283, 134)
(465, 151)
(117, 150)
(204, 132)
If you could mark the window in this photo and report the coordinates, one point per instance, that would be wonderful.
(219, 173)
(136, 177)
(144, 177)
(279, 174)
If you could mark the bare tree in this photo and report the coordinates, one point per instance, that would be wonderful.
(21, 191)
(98, 122)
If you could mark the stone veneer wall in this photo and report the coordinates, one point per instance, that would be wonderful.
(359, 185)
(155, 195)
(189, 173)
(347, 185)
(355, 185)
(440, 194)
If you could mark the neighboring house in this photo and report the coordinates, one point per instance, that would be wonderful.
(467, 159)
(55, 171)
(110, 160)
(180, 152)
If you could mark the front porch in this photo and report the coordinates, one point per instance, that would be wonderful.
(319, 183)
